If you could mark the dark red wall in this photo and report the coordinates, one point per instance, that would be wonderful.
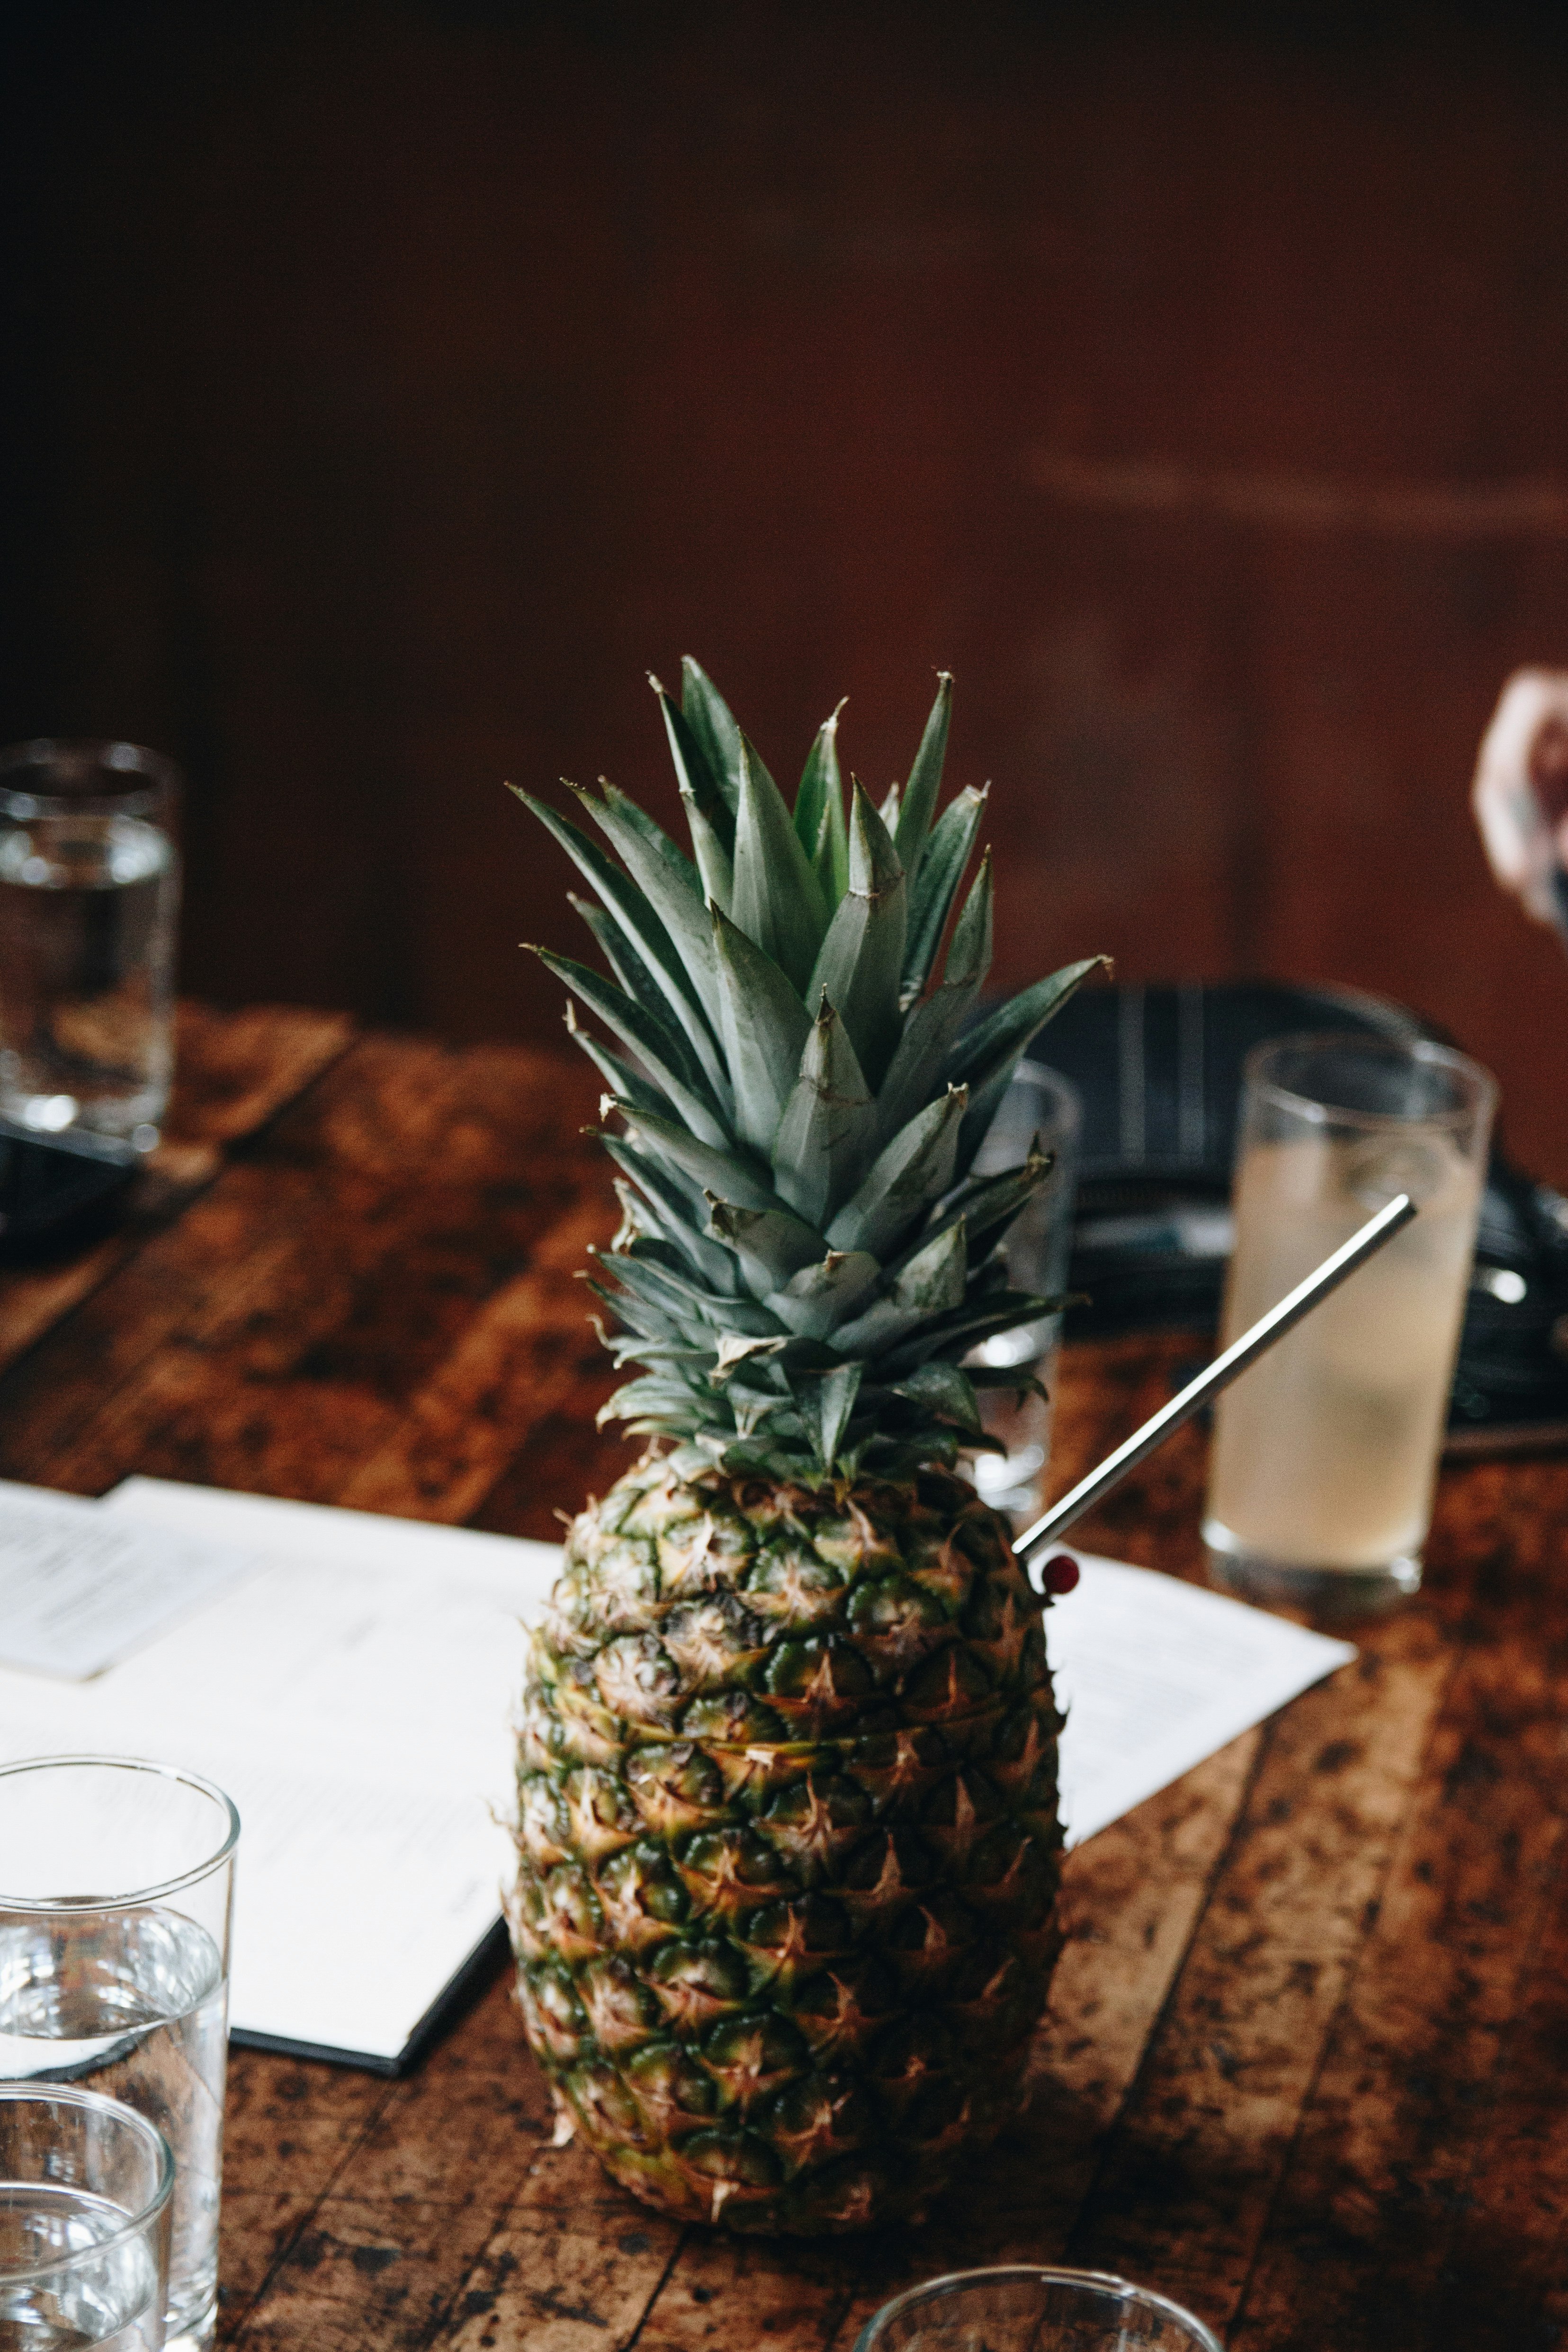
(392, 386)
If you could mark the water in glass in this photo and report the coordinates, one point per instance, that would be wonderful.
(131, 2004)
(110, 2304)
(87, 913)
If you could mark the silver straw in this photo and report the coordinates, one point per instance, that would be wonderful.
(1222, 1372)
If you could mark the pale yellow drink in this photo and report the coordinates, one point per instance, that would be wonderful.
(1325, 1452)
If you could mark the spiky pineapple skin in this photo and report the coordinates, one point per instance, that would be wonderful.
(788, 1851)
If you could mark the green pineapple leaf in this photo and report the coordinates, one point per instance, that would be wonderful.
(817, 1299)
(732, 1178)
(778, 901)
(948, 853)
(827, 1137)
(711, 723)
(695, 773)
(715, 864)
(911, 1172)
(826, 1405)
(820, 797)
(647, 1040)
(942, 1389)
(680, 908)
(861, 960)
(772, 1245)
(918, 800)
(764, 1029)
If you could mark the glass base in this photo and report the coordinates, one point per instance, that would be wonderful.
(1304, 1589)
(192, 2335)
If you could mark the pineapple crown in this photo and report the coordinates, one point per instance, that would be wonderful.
(805, 1259)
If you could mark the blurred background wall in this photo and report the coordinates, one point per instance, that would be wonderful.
(388, 387)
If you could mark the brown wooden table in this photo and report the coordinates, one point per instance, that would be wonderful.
(1307, 2066)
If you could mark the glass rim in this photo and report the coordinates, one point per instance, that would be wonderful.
(149, 778)
(95, 2103)
(1320, 1112)
(1105, 2282)
(129, 1897)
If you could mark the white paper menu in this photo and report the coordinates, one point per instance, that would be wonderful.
(354, 1693)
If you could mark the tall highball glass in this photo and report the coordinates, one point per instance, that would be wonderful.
(1039, 1106)
(85, 2201)
(89, 888)
(1325, 1453)
(115, 1892)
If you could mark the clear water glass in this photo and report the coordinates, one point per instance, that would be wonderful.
(86, 2203)
(1325, 1453)
(1040, 1103)
(90, 890)
(1023, 2308)
(116, 1895)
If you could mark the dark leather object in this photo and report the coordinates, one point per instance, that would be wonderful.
(1159, 1070)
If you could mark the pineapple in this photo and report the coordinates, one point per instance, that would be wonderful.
(787, 1832)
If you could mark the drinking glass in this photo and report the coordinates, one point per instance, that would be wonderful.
(1040, 1103)
(1325, 1453)
(116, 1889)
(86, 2201)
(89, 888)
(1023, 2308)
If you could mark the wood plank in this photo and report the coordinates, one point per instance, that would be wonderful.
(275, 1337)
(233, 1073)
(1184, 2195)
(1404, 2123)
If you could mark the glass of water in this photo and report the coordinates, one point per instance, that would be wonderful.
(86, 2202)
(1325, 1453)
(116, 1890)
(1025, 2308)
(89, 890)
(1041, 1104)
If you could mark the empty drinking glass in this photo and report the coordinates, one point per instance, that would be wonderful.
(1022, 2308)
(115, 1888)
(1041, 1104)
(89, 888)
(85, 2201)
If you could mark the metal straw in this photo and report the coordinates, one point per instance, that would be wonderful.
(1222, 1372)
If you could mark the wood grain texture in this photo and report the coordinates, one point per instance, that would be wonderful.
(1307, 2059)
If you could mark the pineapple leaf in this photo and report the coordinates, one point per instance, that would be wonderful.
(814, 1302)
(779, 901)
(942, 1389)
(724, 1173)
(673, 1212)
(932, 1283)
(715, 864)
(827, 1137)
(637, 980)
(681, 909)
(948, 853)
(861, 960)
(1017, 1377)
(695, 773)
(711, 724)
(911, 1172)
(631, 911)
(988, 1065)
(771, 1244)
(764, 1028)
(918, 800)
(820, 787)
(618, 1075)
(1010, 1028)
(654, 834)
(647, 1040)
(735, 1352)
(825, 1408)
(976, 1319)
